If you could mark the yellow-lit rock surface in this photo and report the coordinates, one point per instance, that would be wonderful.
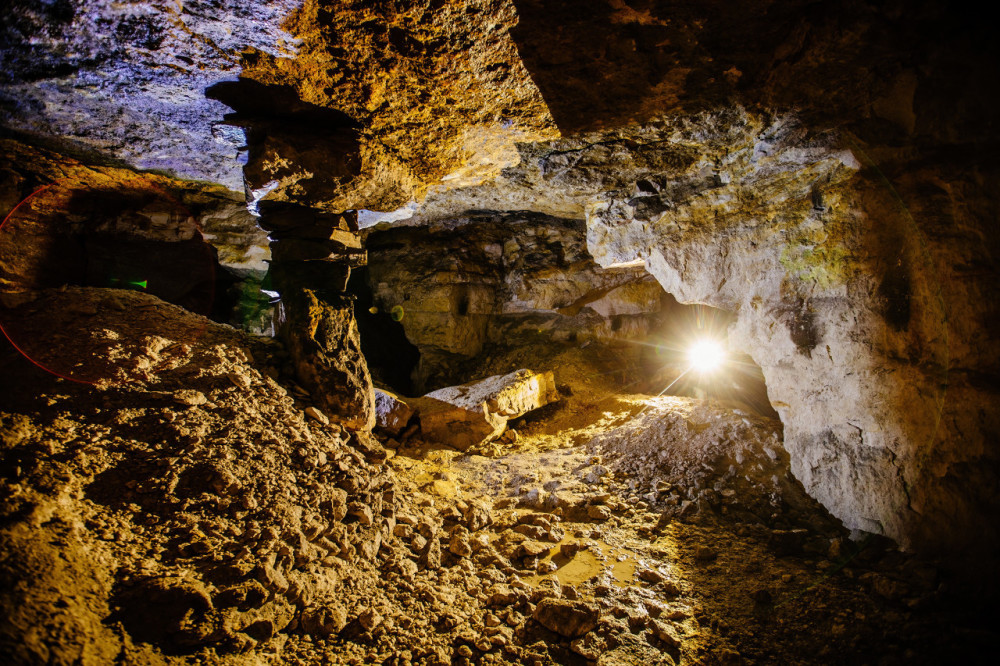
(476, 413)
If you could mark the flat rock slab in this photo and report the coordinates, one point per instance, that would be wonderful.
(477, 412)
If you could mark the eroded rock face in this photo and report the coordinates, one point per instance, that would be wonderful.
(464, 284)
(323, 340)
(846, 300)
(439, 91)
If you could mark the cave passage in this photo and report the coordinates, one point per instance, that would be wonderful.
(390, 356)
(738, 380)
(364, 333)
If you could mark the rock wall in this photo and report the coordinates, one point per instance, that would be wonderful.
(463, 285)
(79, 221)
(853, 295)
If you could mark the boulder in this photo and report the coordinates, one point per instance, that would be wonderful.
(477, 412)
(391, 412)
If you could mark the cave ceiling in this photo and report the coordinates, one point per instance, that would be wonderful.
(444, 96)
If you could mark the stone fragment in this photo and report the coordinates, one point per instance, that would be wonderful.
(189, 397)
(392, 414)
(317, 415)
(477, 412)
(533, 549)
(458, 544)
(431, 557)
(590, 647)
(370, 619)
(337, 503)
(598, 512)
(570, 619)
(665, 633)
(362, 512)
(649, 575)
(323, 620)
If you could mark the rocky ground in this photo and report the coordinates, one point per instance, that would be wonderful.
(177, 499)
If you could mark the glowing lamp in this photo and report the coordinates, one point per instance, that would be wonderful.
(706, 355)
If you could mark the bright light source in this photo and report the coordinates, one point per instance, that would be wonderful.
(706, 355)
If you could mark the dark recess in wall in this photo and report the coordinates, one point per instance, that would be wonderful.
(391, 357)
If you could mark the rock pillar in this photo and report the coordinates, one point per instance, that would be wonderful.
(312, 253)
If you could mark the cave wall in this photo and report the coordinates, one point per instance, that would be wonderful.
(862, 302)
(461, 287)
(79, 221)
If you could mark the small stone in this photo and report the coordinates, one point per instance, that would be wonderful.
(430, 558)
(533, 549)
(323, 621)
(546, 567)
(570, 619)
(370, 619)
(362, 512)
(189, 397)
(598, 512)
(317, 415)
(588, 647)
(704, 553)
(458, 544)
(649, 575)
(665, 633)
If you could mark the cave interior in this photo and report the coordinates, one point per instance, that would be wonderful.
(498, 331)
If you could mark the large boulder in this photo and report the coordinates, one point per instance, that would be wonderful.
(477, 412)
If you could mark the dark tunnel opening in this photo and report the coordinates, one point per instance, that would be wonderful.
(390, 355)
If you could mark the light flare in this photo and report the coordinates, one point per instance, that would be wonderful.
(705, 355)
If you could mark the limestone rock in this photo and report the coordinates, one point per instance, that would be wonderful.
(507, 279)
(477, 412)
(323, 340)
(392, 413)
(824, 314)
(326, 620)
(570, 619)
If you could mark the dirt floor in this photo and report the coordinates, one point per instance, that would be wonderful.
(178, 506)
